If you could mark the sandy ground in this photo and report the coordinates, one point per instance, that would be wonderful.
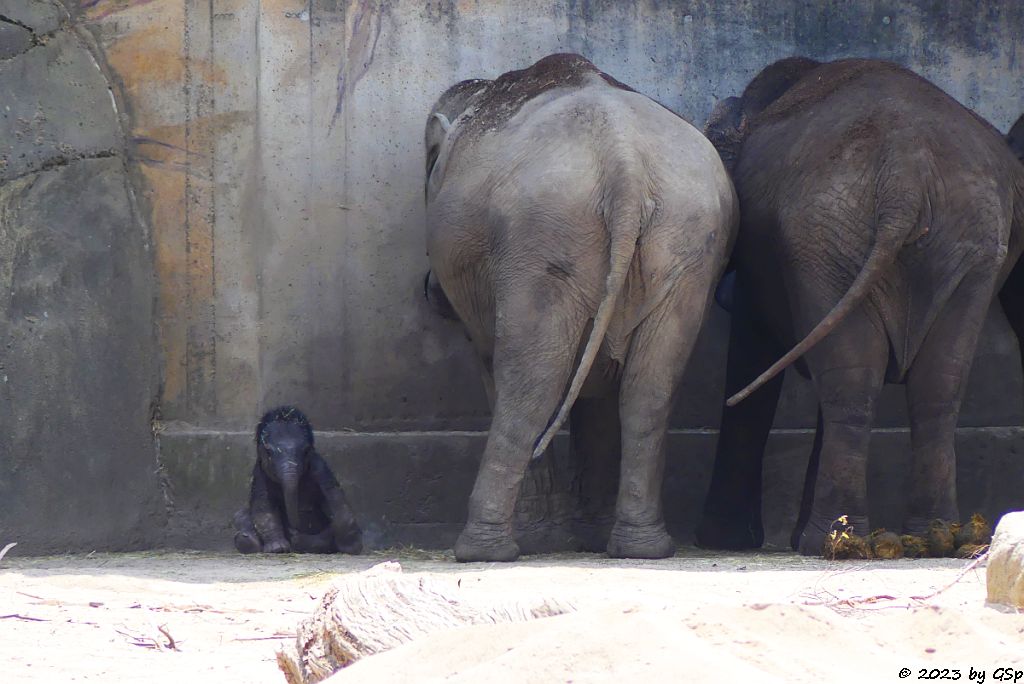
(698, 617)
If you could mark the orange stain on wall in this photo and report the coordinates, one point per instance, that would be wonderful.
(156, 56)
(165, 192)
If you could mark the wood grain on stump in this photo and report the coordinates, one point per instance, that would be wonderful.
(382, 608)
(1005, 572)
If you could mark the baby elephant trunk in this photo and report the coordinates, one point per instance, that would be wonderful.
(290, 475)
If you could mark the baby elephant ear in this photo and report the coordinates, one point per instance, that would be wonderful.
(725, 129)
(1016, 138)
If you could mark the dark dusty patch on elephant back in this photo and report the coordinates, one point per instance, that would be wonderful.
(816, 85)
(773, 81)
(820, 83)
(456, 98)
(507, 94)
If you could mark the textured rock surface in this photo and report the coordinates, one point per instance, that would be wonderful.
(77, 464)
(13, 39)
(1005, 573)
(39, 16)
(56, 107)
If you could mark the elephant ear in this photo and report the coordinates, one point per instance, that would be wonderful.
(732, 118)
(1016, 138)
(445, 111)
(725, 130)
(438, 300)
(438, 126)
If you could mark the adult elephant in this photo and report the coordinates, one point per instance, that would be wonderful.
(577, 229)
(879, 218)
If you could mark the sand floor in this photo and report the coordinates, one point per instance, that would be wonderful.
(697, 617)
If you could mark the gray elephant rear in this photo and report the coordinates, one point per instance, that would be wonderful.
(561, 201)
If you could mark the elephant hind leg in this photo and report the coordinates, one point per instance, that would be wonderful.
(1011, 297)
(848, 369)
(658, 354)
(246, 538)
(533, 362)
(935, 387)
(807, 495)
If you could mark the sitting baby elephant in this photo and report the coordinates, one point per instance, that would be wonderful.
(295, 502)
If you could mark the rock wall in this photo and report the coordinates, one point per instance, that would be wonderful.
(77, 364)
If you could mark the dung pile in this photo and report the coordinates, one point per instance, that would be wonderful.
(943, 540)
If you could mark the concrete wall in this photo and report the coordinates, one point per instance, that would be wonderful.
(278, 150)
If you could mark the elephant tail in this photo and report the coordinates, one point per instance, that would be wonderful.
(888, 241)
(626, 218)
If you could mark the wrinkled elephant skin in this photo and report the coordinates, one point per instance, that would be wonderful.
(577, 228)
(879, 219)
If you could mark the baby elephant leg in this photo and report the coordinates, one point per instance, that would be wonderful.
(246, 538)
(346, 534)
(343, 532)
(350, 540)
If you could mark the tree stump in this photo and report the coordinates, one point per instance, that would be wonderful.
(1005, 572)
(381, 608)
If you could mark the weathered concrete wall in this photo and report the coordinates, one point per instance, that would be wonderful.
(77, 371)
(279, 148)
(282, 145)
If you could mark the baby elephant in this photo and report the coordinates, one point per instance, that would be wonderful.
(295, 502)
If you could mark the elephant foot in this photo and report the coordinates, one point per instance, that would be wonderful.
(640, 541)
(729, 532)
(819, 527)
(481, 542)
(247, 542)
(919, 526)
(277, 546)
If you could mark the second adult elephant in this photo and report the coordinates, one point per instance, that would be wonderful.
(577, 228)
(879, 219)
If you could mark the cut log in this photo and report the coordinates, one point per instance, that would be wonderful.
(1005, 573)
(381, 608)
(3, 552)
